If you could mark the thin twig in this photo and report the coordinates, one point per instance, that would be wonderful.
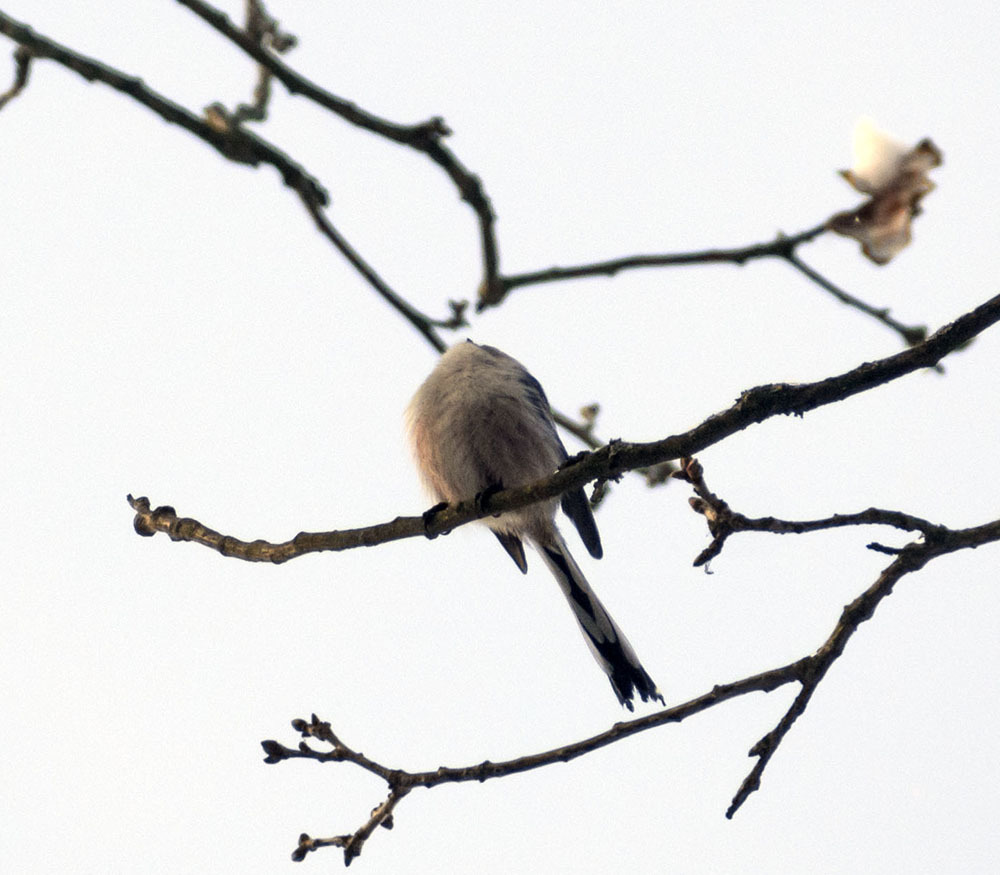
(763, 682)
(22, 69)
(263, 30)
(352, 844)
(784, 247)
(723, 521)
(233, 142)
(780, 246)
(911, 334)
(423, 323)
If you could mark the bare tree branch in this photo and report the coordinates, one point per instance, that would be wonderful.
(423, 323)
(911, 334)
(401, 782)
(784, 247)
(763, 682)
(222, 130)
(234, 143)
(808, 672)
(911, 558)
(426, 137)
(778, 247)
(22, 69)
(353, 843)
(263, 30)
(607, 463)
(723, 521)
(937, 541)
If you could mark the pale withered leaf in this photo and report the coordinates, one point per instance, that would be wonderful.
(895, 177)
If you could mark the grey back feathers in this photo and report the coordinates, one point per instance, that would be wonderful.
(480, 422)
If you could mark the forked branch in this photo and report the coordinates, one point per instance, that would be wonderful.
(808, 672)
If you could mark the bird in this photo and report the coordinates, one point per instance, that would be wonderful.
(481, 422)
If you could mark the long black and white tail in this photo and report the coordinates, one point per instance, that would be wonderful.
(607, 642)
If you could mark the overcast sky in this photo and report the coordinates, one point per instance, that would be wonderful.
(173, 326)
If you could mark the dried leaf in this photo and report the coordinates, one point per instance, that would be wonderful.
(895, 177)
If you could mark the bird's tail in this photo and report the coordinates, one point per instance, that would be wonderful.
(607, 642)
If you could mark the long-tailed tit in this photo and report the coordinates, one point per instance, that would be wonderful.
(481, 422)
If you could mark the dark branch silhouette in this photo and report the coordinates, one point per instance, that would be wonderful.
(723, 521)
(783, 247)
(401, 782)
(223, 130)
(779, 247)
(219, 129)
(423, 323)
(808, 672)
(22, 70)
(607, 463)
(426, 137)
(911, 334)
(236, 144)
(937, 541)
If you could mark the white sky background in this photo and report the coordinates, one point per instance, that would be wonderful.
(173, 326)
